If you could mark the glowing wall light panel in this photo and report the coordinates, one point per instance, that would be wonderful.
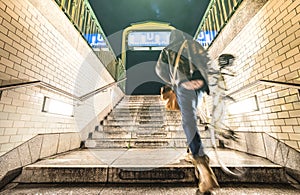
(141, 48)
(157, 48)
(244, 106)
(57, 107)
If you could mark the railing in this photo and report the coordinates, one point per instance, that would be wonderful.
(81, 14)
(215, 18)
(92, 93)
(60, 91)
(266, 82)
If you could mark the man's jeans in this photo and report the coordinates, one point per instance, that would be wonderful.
(188, 101)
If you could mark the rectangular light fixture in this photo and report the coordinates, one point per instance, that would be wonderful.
(57, 107)
(141, 48)
(244, 106)
(157, 48)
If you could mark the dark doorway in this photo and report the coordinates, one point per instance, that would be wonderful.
(140, 72)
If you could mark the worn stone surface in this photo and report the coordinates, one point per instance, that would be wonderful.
(9, 161)
(255, 174)
(64, 174)
(152, 175)
(255, 144)
(142, 122)
(75, 141)
(35, 145)
(24, 153)
(148, 157)
(38, 147)
(9, 176)
(64, 142)
(281, 154)
(293, 159)
(149, 189)
(76, 166)
(240, 144)
(146, 166)
(270, 145)
(50, 144)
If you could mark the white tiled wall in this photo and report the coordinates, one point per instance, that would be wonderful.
(38, 42)
(268, 47)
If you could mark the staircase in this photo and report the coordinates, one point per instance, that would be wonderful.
(141, 142)
(141, 122)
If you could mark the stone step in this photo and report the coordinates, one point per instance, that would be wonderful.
(136, 134)
(145, 127)
(136, 97)
(140, 105)
(137, 166)
(136, 143)
(139, 101)
(155, 118)
(143, 142)
(134, 122)
(155, 121)
(130, 115)
(143, 116)
(231, 188)
(163, 112)
(138, 110)
(142, 122)
(132, 127)
(121, 134)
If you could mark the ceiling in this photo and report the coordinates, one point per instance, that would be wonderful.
(116, 15)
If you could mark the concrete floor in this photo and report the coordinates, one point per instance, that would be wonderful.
(145, 157)
(146, 189)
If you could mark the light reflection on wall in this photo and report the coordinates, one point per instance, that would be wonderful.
(244, 106)
(57, 107)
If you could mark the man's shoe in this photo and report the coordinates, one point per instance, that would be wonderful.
(190, 158)
(206, 176)
(205, 193)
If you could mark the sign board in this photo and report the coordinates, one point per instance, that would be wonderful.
(96, 41)
(206, 37)
(148, 38)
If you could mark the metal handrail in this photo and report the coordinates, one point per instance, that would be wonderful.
(60, 91)
(92, 93)
(215, 19)
(82, 16)
(266, 82)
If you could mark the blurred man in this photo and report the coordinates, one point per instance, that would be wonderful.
(183, 64)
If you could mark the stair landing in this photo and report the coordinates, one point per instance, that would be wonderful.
(144, 165)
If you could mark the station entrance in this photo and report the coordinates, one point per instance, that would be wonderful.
(140, 73)
(141, 47)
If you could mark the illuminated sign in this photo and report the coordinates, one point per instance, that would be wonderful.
(96, 40)
(148, 38)
(206, 37)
